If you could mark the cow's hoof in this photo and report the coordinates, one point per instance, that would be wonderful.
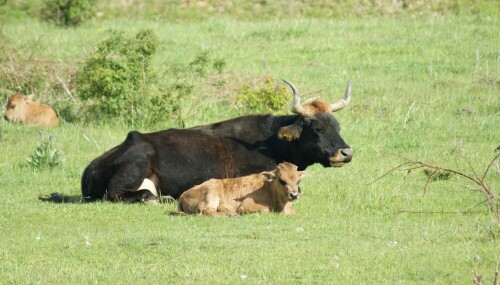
(151, 202)
(167, 199)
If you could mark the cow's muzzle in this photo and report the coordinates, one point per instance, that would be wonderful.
(342, 156)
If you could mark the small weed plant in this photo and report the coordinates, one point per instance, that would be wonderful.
(45, 156)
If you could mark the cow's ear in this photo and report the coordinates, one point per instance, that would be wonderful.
(302, 174)
(290, 133)
(268, 175)
(29, 97)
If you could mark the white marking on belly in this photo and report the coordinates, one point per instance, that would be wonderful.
(147, 184)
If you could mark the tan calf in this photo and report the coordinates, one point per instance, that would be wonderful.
(22, 109)
(265, 192)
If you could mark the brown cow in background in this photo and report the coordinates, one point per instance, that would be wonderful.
(265, 192)
(22, 109)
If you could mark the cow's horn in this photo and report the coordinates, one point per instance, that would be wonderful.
(339, 105)
(297, 108)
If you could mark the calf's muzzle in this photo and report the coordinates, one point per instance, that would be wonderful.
(293, 196)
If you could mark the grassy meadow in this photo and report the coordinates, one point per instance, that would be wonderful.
(423, 87)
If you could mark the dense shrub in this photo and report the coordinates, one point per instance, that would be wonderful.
(118, 81)
(268, 95)
(68, 12)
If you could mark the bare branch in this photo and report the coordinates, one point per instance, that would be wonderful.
(477, 279)
(392, 170)
(63, 84)
(428, 180)
(495, 281)
(489, 166)
(483, 202)
(436, 212)
(472, 168)
(493, 199)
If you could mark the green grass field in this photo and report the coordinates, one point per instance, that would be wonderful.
(425, 88)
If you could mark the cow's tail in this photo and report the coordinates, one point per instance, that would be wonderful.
(58, 198)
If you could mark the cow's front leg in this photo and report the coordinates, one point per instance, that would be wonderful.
(250, 206)
(126, 185)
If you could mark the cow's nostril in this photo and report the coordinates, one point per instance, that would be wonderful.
(346, 152)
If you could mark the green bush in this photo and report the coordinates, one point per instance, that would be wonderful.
(117, 80)
(68, 12)
(264, 97)
(182, 79)
(45, 155)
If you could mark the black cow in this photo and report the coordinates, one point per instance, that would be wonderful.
(175, 160)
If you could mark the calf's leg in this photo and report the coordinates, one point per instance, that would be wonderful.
(210, 204)
(250, 206)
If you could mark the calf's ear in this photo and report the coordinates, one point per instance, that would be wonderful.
(268, 175)
(29, 97)
(290, 133)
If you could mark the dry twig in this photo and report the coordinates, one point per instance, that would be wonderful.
(492, 198)
(65, 87)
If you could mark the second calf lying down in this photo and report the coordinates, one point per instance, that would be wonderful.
(272, 191)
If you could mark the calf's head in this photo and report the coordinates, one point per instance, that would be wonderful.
(16, 107)
(316, 131)
(285, 181)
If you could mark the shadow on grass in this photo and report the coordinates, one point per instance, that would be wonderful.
(60, 198)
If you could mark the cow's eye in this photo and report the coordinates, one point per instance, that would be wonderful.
(318, 129)
(282, 182)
